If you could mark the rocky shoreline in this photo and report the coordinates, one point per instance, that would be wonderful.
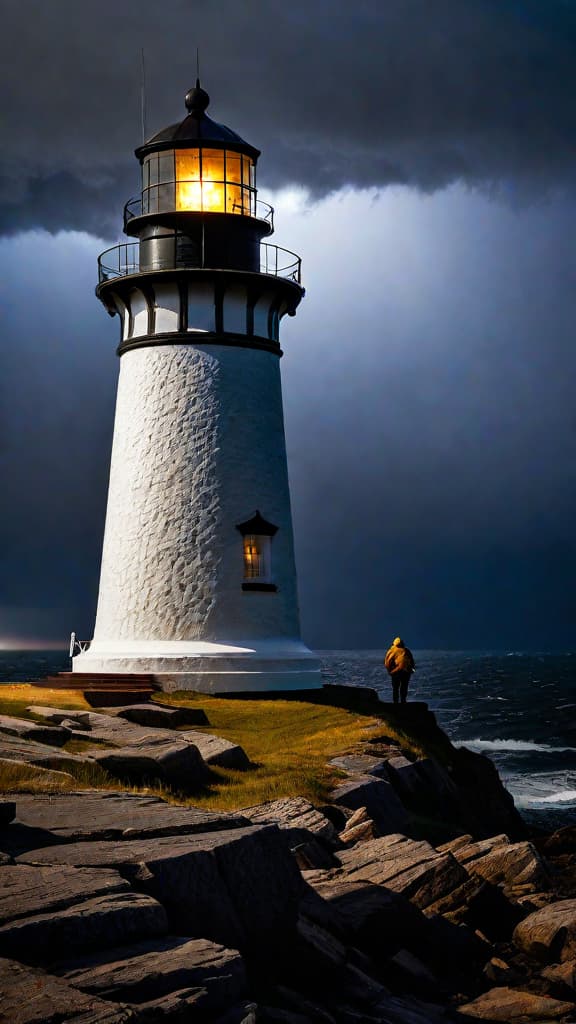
(416, 896)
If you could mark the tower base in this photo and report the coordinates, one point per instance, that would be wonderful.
(208, 667)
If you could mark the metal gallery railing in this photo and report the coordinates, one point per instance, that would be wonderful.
(123, 260)
(205, 196)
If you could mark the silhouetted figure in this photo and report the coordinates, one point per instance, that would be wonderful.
(400, 665)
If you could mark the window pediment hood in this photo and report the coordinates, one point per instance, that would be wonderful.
(258, 526)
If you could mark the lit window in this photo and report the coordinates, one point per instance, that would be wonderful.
(257, 536)
(256, 557)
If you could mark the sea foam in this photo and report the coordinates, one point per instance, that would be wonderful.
(513, 746)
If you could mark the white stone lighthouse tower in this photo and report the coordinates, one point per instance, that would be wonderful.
(198, 579)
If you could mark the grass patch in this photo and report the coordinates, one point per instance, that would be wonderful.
(15, 698)
(18, 777)
(288, 742)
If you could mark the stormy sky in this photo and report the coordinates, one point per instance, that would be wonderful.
(421, 155)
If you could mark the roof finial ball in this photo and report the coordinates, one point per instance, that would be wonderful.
(197, 100)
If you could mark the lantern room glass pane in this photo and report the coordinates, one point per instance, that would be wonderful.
(166, 166)
(234, 199)
(233, 167)
(188, 187)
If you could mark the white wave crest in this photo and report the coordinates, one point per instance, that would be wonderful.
(514, 746)
(565, 796)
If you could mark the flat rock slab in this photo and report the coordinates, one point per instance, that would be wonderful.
(361, 764)
(510, 865)
(95, 815)
(412, 868)
(549, 934)
(171, 760)
(373, 918)
(27, 891)
(30, 996)
(510, 1004)
(52, 735)
(292, 813)
(13, 748)
(97, 923)
(227, 886)
(159, 716)
(379, 799)
(151, 970)
(114, 729)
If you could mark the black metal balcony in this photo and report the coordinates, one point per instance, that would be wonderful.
(124, 260)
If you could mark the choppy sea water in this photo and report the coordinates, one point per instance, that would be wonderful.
(518, 708)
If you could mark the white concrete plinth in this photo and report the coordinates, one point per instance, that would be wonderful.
(208, 667)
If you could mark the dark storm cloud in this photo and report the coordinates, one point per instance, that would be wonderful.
(423, 92)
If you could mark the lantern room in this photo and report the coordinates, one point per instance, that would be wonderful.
(199, 180)
(198, 205)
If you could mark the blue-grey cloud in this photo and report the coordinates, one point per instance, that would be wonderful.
(370, 93)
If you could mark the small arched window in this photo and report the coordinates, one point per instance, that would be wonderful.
(257, 534)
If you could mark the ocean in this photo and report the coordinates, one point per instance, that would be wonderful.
(519, 708)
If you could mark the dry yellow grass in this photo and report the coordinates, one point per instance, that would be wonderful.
(15, 698)
(288, 742)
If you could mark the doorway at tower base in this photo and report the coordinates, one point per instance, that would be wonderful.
(207, 667)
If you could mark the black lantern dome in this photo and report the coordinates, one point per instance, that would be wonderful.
(197, 129)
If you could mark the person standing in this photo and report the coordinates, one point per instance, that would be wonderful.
(400, 665)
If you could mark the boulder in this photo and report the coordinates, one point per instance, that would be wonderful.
(217, 752)
(51, 735)
(26, 891)
(152, 970)
(371, 917)
(170, 761)
(358, 833)
(412, 868)
(30, 996)
(510, 1004)
(377, 796)
(292, 813)
(511, 865)
(562, 975)
(93, 814)
(98, 923)
(155, 715)
(227, 886)
(424, 786)
(549, 934)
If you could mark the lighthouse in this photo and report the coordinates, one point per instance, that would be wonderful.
(198, 578)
